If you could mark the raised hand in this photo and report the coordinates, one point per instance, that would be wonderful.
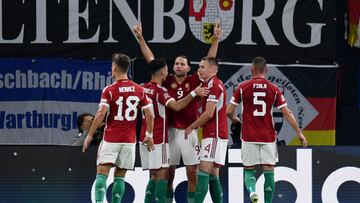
(137, 29)
(217, 32)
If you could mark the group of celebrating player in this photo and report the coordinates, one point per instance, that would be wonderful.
(170, 104)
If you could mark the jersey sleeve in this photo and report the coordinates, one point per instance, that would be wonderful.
(163, 97)
(145, 101)
(105, 98)
(236, 98)
(280, 100)
(215, 92)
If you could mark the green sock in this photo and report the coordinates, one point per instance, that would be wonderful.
(150, 191)
(215, 189)
(202, 186)
(169, 196)
(118, 189)
(100, 187)
(191, 197)
(161, 190)
(250, 180)
(269, 185)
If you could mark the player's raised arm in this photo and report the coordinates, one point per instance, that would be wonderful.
(215, 42)
(145, 50)
(205, 116)
(289, 116)
(99, 117)
(182, 103)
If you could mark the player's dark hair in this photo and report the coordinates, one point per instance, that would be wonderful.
(80, 120)
(122, 62)
(259, 63)
(156, 65)
(185, 57)
(211, 60)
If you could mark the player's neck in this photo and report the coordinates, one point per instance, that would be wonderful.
(258, 76)
(208, 78)
(180, 79)
(120, 77)
(156, 80)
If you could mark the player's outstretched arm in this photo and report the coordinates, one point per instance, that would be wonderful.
(149, 118)
(205, 116)
(230, 112)
(99, 117)
(182, 103)
(145, 50)
(215, 42)
(289, 116)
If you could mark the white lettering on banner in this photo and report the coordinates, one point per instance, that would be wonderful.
(179, 23)
(84, 80)
(335, 180)
(74, 18)
(301, 179)
(35, 119)
(199, 19)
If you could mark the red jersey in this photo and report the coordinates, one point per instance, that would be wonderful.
(182, 119)
(160, 98)
(216, 127)
(123, 99)
(258, 96)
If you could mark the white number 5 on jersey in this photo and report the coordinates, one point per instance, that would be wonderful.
(258, 101)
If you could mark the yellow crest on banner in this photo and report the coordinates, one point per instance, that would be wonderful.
(208, 32)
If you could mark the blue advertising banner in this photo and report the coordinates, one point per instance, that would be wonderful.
(40, 99)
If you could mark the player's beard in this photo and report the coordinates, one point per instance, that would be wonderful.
(180, 74)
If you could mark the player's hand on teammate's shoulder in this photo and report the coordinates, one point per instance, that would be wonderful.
(201, 91)
(302, 140)
(149, 143)
(217, 32)
(137, 29)
(87, 142)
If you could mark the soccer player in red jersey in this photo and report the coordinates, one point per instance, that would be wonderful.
(179, 85)
(215, 132)
(157, 161)
(120, 101)
(257, 98)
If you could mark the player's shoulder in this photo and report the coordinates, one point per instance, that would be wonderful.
(272, 86)
(108, 87)
(246, 83)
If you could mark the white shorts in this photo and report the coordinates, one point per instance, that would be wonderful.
(188, 149)
(214, 150)
(255, 154)
(121, 155)
(159, 158)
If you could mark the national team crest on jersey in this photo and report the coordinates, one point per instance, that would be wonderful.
(187, 86)
(173, 85)
(203, 14)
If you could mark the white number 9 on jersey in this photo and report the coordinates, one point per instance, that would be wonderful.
(258, 101)
(131, 103)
